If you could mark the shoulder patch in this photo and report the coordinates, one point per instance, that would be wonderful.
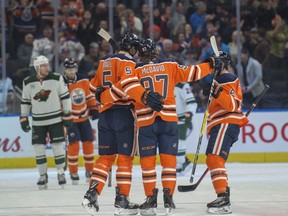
(54, 76)
(30, 79)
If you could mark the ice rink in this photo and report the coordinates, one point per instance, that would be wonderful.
(256, 189)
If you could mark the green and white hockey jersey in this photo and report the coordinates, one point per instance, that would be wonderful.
(47, 99)
(185, 101)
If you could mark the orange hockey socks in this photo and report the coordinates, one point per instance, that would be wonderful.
(73, 152)
(216, 165)
(124, 173)
(88, 153)
(149, 176)
(168, 163)
(101, 169)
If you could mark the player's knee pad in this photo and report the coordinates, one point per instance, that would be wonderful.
(168, 160)
(106, 160)
(73, 148)
(215, 161)
(148, 163)
(181, 145)
(88, 147)
(126, 161)
(57, 148)
(39, 149)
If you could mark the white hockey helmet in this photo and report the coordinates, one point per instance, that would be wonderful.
(40, 60)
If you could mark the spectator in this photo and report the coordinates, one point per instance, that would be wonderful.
(100, 13)
(144, 15)
(68, 21)
(167, 51)
(265, 14)
(250, 75)
(131, 23)
(24, 51)
(262, 54)
(46, 12)
(89, 63)
(25, 17)
(233, 48)
(177, 19)
(86, 30)
(251, 40)
(105, 48)
(44, 45)
(72, 48)
(198, 19)
(278, 37)
(6, 92)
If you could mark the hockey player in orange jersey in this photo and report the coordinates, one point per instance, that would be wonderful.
(223, 125)
(158, 129)
(116, 126)
(83, 106)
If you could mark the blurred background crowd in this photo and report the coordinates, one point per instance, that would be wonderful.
(181, 29)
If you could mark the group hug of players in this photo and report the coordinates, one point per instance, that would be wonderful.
(123, 94)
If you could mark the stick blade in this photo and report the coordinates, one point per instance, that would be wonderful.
(214, 45)
(104, 34)
(186, 188)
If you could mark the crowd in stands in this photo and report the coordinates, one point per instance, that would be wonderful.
(182, 29)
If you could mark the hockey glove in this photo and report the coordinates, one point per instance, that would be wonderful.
(153, 99)
(188, 117)
(25, 123)
(94, 114)
(216, 89)
(67, 120)
(98, 93)
(216, 63)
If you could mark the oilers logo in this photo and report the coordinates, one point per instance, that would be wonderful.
(78, 96)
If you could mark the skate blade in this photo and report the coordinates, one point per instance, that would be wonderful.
(148, 212)
(221, 210)
(43, 187)
(123, 212)
(87, 180)
(89, 208)
(62, 186)
(75, 182)
(168, 211)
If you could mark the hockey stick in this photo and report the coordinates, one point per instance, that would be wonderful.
(110, 178)
(66, 148)
(187, 188)
(105, 35)
(204, 122)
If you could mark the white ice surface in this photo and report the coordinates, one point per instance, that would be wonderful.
(256, 189)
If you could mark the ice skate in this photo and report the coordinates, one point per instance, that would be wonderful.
(74, 178)
(88, 176)
(42, 182)
(149, 207)
(90, 202)
(123, 206)
(221, 205)
(168, 201)
(61, 180)
(184, 166)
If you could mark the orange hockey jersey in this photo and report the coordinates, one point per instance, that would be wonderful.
(227, 107)
(162, 78)
(82, 98)
(112, 69)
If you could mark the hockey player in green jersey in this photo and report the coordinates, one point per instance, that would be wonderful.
(47, 96)
(186, 106)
